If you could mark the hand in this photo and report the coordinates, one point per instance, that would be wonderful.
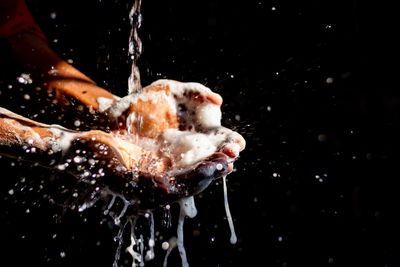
(179, 115)
(180, 123)
(146, 178)
(108, 160)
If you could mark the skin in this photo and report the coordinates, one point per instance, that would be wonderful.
(35, 56)
(122, 160)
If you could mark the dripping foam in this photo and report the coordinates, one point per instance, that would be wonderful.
(233, 238)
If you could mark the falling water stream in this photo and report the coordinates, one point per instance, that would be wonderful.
(233, 238)
(135, 47)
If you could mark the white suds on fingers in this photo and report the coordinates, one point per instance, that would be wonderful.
(104, 103)
(204, 134)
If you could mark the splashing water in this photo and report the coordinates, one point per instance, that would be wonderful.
(136, 256)
(135, 47)
(120, 240)
(137, 246)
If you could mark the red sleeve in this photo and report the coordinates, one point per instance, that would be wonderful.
(15, 17)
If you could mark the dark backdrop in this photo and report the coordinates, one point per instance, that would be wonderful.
(311, 85)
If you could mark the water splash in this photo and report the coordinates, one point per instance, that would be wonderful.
(150, 253)
(136, 256)
(119, 238)
(88, 204)
(107, 211)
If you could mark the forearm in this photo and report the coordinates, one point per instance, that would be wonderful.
(35, 56)
(26, 139)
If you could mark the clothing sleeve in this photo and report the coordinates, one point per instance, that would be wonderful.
(15, 17)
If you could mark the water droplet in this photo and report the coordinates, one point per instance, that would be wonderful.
(11, 192)
(77, 159)
(329, 80)
(219, 166)
(61, 167)
(151, 243)
(322, 137)
(165, 245)
(53, 15)
(24, 78)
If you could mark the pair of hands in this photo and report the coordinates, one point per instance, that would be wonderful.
(153, 147)
(147, 153)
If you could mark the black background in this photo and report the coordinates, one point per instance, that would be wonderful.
(311, 85)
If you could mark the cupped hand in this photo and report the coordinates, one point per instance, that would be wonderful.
(184, 117)
(169, 141)
(147, 178)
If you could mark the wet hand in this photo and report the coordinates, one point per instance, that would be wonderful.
(146, 177)
(181, 123)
